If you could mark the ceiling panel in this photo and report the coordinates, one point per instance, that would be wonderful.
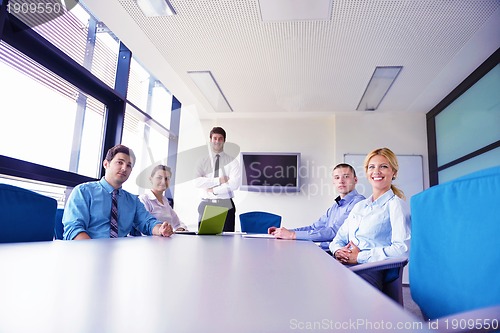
(316, 66)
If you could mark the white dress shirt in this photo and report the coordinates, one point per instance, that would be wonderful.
(228, 166)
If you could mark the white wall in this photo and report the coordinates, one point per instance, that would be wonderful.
(404, 134)
(322, 141)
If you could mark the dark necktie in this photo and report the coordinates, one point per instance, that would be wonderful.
(216, 171)
(114, 216)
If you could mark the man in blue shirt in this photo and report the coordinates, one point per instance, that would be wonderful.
(326, 227)
(88, 211)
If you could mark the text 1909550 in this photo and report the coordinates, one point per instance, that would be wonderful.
(35, 8)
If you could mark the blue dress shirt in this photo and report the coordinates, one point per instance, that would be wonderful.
(89, 209)
(381, 229)
(324, 229)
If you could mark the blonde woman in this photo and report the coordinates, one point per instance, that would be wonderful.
(378, 227)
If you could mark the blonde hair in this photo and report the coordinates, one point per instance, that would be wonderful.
(393, 161)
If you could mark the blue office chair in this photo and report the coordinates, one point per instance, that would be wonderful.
(258, 222)
(25, 216)
(58, 227)
(454, 249)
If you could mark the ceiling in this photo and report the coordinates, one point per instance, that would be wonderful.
(309, 67)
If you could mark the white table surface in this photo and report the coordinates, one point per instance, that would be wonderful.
(187, 283)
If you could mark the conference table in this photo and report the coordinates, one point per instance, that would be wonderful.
(187, 283)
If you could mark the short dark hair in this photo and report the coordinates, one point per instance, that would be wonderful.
(345, 165)
(161, 167)
(218, 130)
(120, 149)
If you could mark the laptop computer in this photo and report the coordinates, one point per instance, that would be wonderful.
(212, 221)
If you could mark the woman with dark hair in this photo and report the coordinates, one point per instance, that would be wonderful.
(155, 201)
(377, 228)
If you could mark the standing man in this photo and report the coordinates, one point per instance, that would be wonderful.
(102, 209)
(325, 229)
(218, 176)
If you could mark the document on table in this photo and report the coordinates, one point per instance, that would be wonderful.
(258, 236)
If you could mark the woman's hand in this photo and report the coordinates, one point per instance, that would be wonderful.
(348, 255)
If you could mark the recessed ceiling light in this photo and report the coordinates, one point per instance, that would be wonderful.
(210, 88)
(382, 79)
(295, 10)
(153, 8)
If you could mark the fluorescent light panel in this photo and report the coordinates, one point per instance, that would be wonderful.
(382, 79)
(153, 8)
(209, 87)
(295, 10)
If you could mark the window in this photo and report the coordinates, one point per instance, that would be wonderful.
(149, 143)
(463, 130)
(47, 120)
(161, 104)
(56, 120)
(80, 36)
(138, 85)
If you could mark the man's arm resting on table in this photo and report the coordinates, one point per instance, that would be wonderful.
(82, 235)
(162, 229)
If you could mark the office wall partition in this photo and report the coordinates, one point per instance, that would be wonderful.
(464, 129)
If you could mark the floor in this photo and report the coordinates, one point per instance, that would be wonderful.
(409, 304)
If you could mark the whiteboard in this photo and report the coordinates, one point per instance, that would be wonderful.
(410, 177)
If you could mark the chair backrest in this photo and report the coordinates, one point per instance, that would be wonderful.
(58, 227)
(258, 222)
(454, 246)
(25, 216)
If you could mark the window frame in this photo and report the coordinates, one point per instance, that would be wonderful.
(17, 34)
(472, 79)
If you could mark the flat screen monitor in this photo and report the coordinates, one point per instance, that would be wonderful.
(270, 172)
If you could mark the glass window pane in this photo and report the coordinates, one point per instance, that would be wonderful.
(67, 32)
(43, 116)
(138, 85)
(70, 34)
(476, 112)
(149, 146)
(133, 137)
(105, 59)
(158, 145)
(161, 104)
(483, 161)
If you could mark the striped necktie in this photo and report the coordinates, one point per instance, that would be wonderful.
(114, 215)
